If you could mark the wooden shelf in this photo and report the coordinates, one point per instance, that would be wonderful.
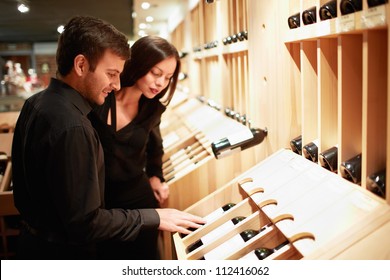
(190, 167)
(355, 23)
(308, 206)
(190, 160)
(343, 84)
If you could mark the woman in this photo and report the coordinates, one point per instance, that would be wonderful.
(128, 125)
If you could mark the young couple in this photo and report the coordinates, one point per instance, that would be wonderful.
(87, 151)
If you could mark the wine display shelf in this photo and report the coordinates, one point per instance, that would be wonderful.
(189, 165)
(189, 129)
(374, 18)
(326, 81)
(318, 214)
(219, 72)
(341, 69)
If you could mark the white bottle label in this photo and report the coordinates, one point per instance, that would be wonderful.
(241, 136)
(216, 233)
(214, 215)
(225, 249)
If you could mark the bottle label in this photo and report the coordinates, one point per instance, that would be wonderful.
(240, 136)
(225, 249)
(229, 152)
(214, 215)
(373, 17)
(345, 23)
(217, 233)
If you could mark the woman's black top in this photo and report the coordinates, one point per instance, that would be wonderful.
(132, 154)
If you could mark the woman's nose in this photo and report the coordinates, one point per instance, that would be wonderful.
(160, 81)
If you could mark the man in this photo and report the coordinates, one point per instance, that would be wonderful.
(58, 164)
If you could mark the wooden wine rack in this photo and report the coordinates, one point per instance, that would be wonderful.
(189, 165)
(326, 81)
(189, 160)
(7, 207)
(321, 215)
(341, 69)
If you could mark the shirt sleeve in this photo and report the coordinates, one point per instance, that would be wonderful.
(155, 152)
(79, 195)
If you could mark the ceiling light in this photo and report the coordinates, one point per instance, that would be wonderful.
(145, 5)
(60, 29)
(23, 8)
(149, 19)
(142, 25)
(142, 33)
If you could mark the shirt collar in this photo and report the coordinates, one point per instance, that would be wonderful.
(71, 95)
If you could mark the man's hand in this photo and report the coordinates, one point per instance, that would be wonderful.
(173, 220)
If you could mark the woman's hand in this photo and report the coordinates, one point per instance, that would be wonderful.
(161, 190)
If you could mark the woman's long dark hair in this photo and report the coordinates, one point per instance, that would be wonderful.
(146, 52)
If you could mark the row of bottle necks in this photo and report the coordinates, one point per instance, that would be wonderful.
(349, 169)
(329, 10)
(231, 39)
(237, 241)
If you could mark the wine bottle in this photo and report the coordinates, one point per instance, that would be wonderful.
(182, 76)
(227, 111)
(328, 159)
(373, 3)
(309, 16)
(328, 10)
(229, 39)
(243, 119)
(263, 252)
(310, 151)
(238, 142)
(218, 212)
(214, 215)
(376, 183)
(214, 234)
(351, 169)
(202, 99)
(350, 6)
(182, 54)
(294, 21)
(230, 245)
(241, 36)
(245, 34)
(296, 145)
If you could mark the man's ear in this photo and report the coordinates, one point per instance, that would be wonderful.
(80, 64)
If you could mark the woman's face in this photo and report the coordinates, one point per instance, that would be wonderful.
(157, 78)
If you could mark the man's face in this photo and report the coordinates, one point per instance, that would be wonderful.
(104, 79)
